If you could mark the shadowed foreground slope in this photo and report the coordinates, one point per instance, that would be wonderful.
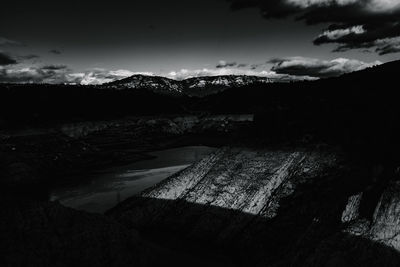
(270, 208)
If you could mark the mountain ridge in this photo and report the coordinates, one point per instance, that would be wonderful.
(194, 86)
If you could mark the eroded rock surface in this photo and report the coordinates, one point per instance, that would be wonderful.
(384, 227)
(249, 181)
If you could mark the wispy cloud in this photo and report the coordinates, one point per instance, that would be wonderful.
(55, 52)
(8, 42)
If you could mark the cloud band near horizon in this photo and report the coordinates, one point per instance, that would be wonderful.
(283, 69)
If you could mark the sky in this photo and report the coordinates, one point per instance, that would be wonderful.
(89, 42)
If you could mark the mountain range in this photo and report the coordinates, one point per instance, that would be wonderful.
(197, 86)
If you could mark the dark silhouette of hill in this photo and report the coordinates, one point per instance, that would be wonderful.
(41, 104)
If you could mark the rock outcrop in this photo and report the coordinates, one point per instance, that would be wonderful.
(384, 226)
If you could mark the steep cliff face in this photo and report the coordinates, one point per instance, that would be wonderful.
(288, 207)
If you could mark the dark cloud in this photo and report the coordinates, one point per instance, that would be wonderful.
(29, 57)
(55, 67)
(224, 64)
(254, 66)
(355, 24)
(300, 66)
(55, 52)
(6, 59)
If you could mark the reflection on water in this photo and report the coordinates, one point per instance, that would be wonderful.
(106, 188)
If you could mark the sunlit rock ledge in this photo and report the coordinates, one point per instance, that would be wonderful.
(249, 181)
(237, 180)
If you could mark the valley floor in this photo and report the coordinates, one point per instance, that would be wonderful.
(246, 204)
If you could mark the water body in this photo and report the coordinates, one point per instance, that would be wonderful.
(106, 188)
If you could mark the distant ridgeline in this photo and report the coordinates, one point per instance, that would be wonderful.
(354, 108)
(198, 86)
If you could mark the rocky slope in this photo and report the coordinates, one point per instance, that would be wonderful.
(286, 207)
